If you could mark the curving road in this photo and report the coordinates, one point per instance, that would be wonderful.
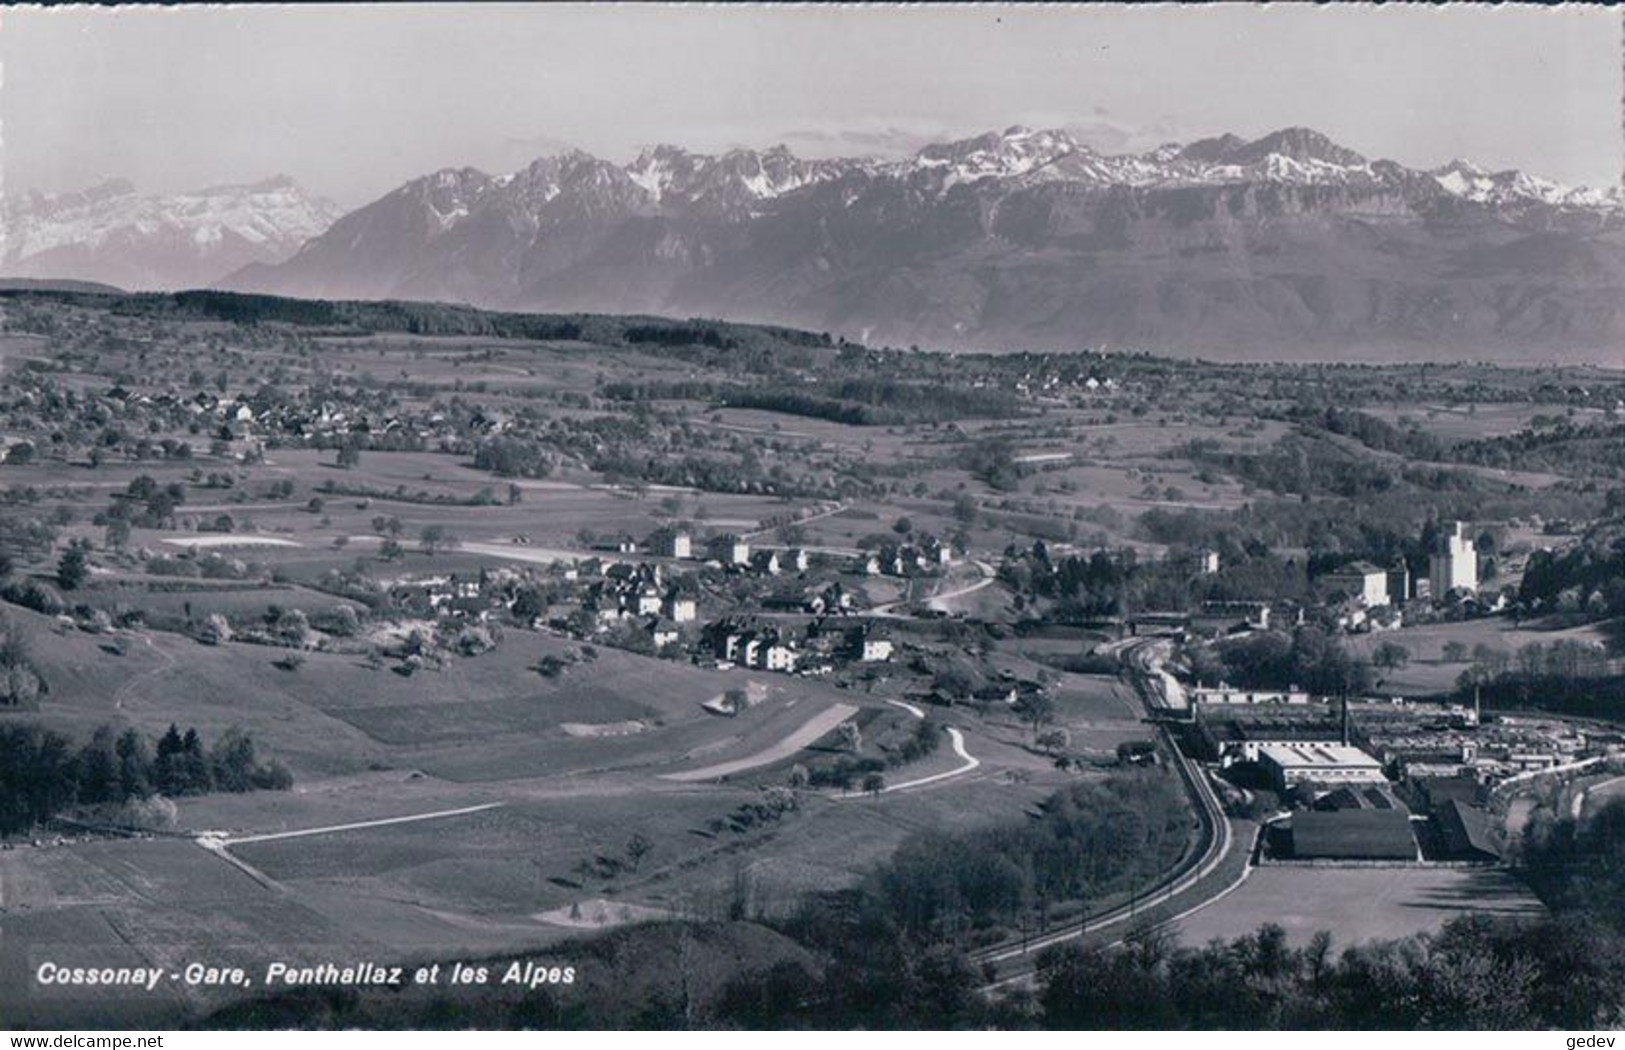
(1014, 960)
(969, 763)
(889, 609)
(811, 730)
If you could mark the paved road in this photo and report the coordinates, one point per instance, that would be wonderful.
(1015, 960)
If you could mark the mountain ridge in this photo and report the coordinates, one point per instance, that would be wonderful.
(1281, 245)
(110, 233)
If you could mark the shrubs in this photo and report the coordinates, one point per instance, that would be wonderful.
(340, 621)
(20, 683)
(36, 595)
(474, 640)
(214, 630)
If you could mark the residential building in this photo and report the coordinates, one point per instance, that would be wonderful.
(662, 632)
(872, 645)
(680, 608)
(673, 543)
(1360, 581)
(730, 550)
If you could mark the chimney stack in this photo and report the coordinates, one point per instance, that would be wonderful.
(1345, 720)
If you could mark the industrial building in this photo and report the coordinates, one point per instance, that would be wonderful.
(1352, 834)
(1289, 765)
(1226, 694)
(1453, 563)
(1465, 832)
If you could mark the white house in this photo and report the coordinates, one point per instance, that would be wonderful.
(731, 550)
(681, 608)
(674, 543)
(1361, 580)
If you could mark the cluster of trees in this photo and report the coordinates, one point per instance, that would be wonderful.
(873, 402)
(923, 742)
(1578, 866)
(680, 335)
(1370, 431)
(1119, 582)
(993, 461)
(1105, 583)
(1567, 675)
(510, 457)
(857, 401)
(42, 773)
(1310, 658)
(144, 503)
(1091, 839)
(1475, 974)
(1586, 580)
(1298, 464)
(1595, 449)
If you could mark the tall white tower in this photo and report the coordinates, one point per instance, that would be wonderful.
(1453, 563)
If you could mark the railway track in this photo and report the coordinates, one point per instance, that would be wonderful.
(1015, 960)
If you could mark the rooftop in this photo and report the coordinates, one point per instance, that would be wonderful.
(1353, 834)
(1318, 756)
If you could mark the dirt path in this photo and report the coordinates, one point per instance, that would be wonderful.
(827, 512)
(988, 575)
(218, 842)
(811, 730)
(131, 683)
(970, 762)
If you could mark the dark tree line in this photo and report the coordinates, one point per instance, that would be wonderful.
(1309, 658)
(43, 773)
(1477, 973)
(1587, 579)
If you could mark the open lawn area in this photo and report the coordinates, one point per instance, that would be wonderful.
(1429, 672)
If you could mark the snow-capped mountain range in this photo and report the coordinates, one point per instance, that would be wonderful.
(1020, 238)
(732, 183)
(113, 234)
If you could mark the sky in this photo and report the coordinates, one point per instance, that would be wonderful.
(353, 101)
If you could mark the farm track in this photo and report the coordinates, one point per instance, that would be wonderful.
(827, 512)
(130, 683)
